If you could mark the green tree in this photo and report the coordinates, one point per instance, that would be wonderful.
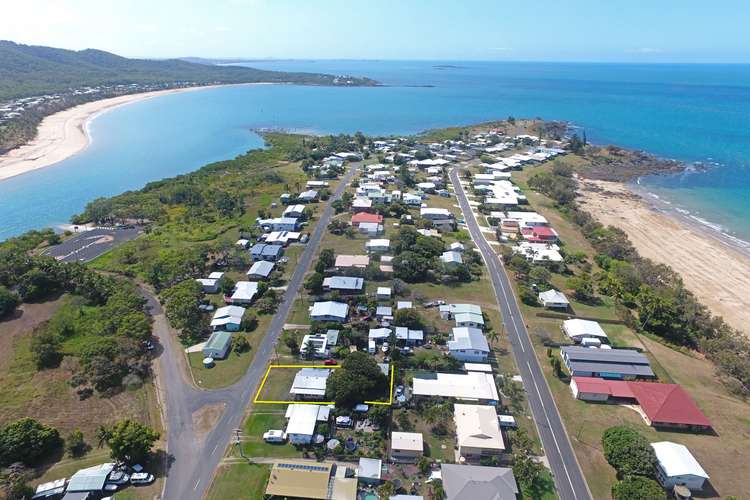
(45, 349)
(628, 451)
(240, 344)
(314, 283)
(130, 441)
(526, 469)
(540, 276)
(386, 490)
(582, 286)
(638, 488)
(28, 441)
(424, 465)
(8, 302)
(181, 307)
(359, 379)
(409, 318)
(75, 445)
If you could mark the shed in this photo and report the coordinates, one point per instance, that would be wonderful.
(218, 345)
(369, 470)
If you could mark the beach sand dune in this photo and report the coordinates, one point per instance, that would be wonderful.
(64, 134)
(716, 273)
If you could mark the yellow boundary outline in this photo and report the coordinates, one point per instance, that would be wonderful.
(268, 372)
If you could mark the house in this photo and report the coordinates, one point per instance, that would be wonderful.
(279, 224)
(552, 299)
(263, 251)
(218, 345)
(469, 319)
(404, 304)
(440, 217)
(384, 312)
(282, 238)
(343, 284)
(294, 211)
(378, 245)
(662, 405)
(90, 479)
(310, 383)
(451, 259)
(379, 335)
(244, 292)
(362, 217)
(319, 345)
(369, 470)
(308, 196)
(675, 465)
(329, 311)
(539, 253)
(228, 318)
(212, 284)
(302, 419)
(383, 293)
(370, 228)
(411, 200)
(539, 234)
(456, 247)
(300, 479)
(472, 386)
(579, 329)
(316, 184)
(352, 261)
(606, 363)
(261, 270)
(361, 204)
(448, 311)
(409, 336)
(406, 446)
(477, 431)
(475, 482)
(468, 344)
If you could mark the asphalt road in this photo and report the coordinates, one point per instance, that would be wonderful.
(194, 459)
(566, 471)
(89, 245)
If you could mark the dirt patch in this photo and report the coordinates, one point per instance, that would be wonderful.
(206, 417)
(25, 319)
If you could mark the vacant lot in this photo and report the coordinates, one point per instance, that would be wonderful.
(239, 480)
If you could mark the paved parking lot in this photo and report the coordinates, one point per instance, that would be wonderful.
(89, 245)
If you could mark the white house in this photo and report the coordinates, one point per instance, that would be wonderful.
(451, 259)
(383, 293)
(468, 344)
(675, 465)
(469, 319)
(294, 211)
(329, 311)
(244, 292)
(261, 270)
(378, 245)
(477, 431)
(552, 299)
(302, 421)
(579, 329)
(370, 228)
(406, 446)
(310, 383)
(228, 318)
(212, 283)
(410, 199)
(471, 386)
(279, 224)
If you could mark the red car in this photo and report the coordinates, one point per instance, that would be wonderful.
(329, 362)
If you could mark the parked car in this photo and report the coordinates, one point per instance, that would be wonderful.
(118, 477)
(141, 478)
(330, 361)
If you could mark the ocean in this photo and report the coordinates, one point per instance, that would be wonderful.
(694, 113)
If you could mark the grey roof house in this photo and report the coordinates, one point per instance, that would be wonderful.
(474, 482)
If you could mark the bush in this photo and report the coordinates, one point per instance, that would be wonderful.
(75, 446)
(528, 296)
(27, 441)
(628, 452)
(240, 344)
(638, 488)
(8, 302)
(45, 349)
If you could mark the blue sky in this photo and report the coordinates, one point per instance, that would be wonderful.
(549, 30)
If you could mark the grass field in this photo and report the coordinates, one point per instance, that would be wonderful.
(239, 480)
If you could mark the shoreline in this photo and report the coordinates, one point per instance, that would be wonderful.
(67, 133)
(714, 266)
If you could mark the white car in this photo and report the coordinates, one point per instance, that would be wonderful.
(274, 436)
(141, 478)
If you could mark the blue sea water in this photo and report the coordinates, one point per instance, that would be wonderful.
(694, 113)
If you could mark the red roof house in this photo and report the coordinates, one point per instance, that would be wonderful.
(539, 234)
(664, 405)
(668, 405)
(366, 217)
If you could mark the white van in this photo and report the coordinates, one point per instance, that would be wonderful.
(371, 348)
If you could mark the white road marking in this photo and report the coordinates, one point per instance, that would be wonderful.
(196, 484)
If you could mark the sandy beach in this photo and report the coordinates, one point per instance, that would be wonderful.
(64, 134)
(712, 267)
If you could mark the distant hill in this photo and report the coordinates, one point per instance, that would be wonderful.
(27, 70)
